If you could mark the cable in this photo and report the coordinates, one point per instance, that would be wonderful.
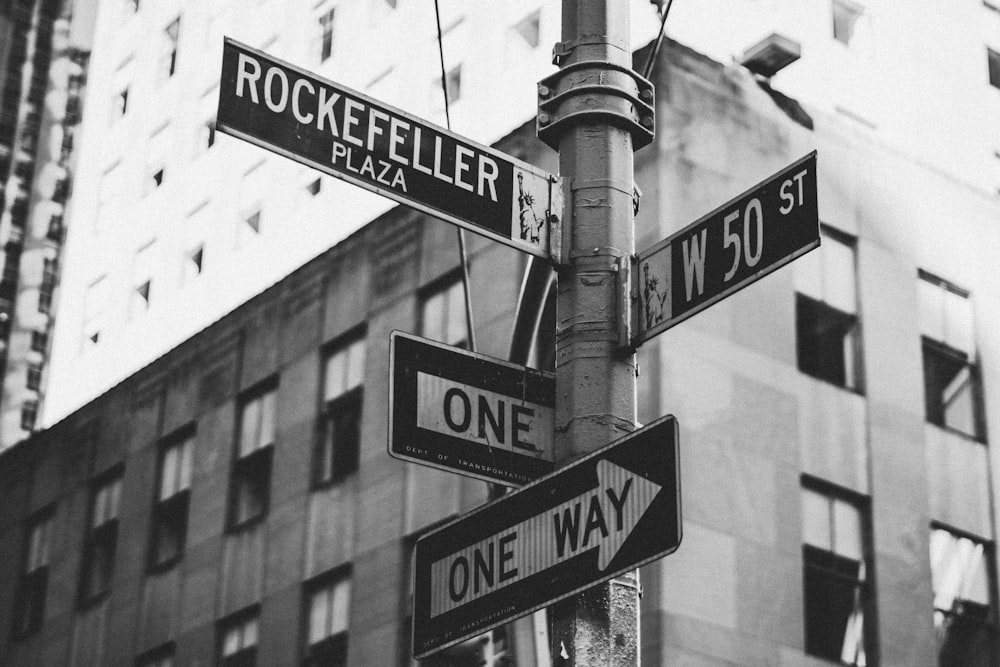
(470, 329)
(651, 60)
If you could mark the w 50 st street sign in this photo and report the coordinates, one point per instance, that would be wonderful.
(602, 515)
(353, 137)
(738, 243)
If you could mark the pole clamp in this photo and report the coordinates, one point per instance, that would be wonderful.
(596, 91)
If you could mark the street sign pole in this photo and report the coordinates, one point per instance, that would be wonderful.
(595, 111)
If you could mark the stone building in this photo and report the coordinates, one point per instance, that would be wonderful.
(233, 502)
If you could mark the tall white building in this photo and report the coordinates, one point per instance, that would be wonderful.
(172, 225)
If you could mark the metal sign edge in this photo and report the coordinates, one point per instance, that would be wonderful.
(538, 172)
(520, 164)
(736, 287)
(538, 251)
(656, 247)
(396, 333)
(524, 612)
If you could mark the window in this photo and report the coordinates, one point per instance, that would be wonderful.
(340, 439)
(328, 603)
(101, 539)
(39, 341)
(161, 656)
(253, 222)
(827, 330)
(34, 376)
(443, 315)
(172, 34)
(55, 230)
(48, 286)
(314, 187)
(326, 35)
(29, 601)
(951, 378)
(529, 28)
(121, 102)
(845, 18)
(238, 636)
(29, 413)
(251, 487)
(156, 178)
(193, 263)
(93, 311)
(207, 139)
(142, 279)
(835, 575)
(993, 63)
(172, 499)
(961, 574)
(134, 4)
(453, 84)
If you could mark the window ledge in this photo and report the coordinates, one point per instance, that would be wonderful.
(978, 439)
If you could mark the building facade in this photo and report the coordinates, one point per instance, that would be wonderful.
(167, 215)
(233, 503)
(44, 55)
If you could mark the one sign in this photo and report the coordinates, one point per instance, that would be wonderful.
(743, 240)
(349, 135)
(602, 515)
(469, 413)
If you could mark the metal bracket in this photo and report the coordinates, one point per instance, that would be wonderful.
(592, 89)
(555, 215)
(624, 298)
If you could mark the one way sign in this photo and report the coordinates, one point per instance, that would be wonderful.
(610, 512)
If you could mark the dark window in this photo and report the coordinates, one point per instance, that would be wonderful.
(343, 393)
(170, 55)
(251, 486)
(993, 63)
(529, 28)
(55, 230)
(328, 604)
(453, 84)
(951, 388)
(157, 178)
(827, 331)
(161, 656)
(141, 297)
(171, 504)
(48, 285)
(34, 376)
(835, 577)
(238, 637)
(121, 102)
(193, 265)
(29, 414)
(253, 221)
(326, 35)
(135, 5)
(208, 134)
(845, 18)
(39, 341)
(101, 539)
(964, 617)
(314, 187)
(442, 315)
(951, 378)
(29, 600)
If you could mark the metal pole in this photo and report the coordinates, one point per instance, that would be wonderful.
(587, 113)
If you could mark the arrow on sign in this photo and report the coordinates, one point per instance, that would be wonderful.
(601, 518)
(609, 512)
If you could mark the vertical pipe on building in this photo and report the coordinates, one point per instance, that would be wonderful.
(595, 402)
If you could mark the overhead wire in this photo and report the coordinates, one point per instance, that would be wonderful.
(463, 254)
(651, 59)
